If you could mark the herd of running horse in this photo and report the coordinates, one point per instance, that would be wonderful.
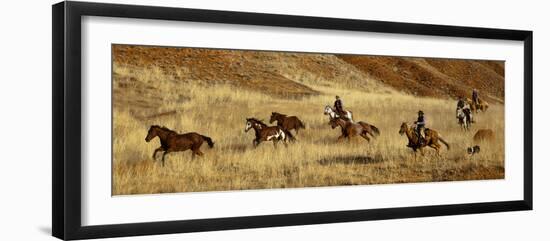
(171, 141)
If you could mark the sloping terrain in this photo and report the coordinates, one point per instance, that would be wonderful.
(288, 74)
(274, 73)
(442, 78)
(213, 92)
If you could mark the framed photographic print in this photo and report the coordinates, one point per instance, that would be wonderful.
(170, 120)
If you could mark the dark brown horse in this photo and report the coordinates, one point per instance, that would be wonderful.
(432, 139)
(350, 129)
(476, 107)
(267, 133)
(170, 141)
(287, 122)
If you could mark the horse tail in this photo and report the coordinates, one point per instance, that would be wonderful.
(444, 142)
(301, 124)
(208, 140)
(375, 130)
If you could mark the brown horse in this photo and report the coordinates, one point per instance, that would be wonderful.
(350, 129)
(484, 135)
(432, 139)
(287, 122)
(483, 105)
(267, 133)
(170, 141)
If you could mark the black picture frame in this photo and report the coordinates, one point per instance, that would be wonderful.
(66, 75)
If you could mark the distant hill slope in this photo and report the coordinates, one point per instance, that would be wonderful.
(435, 77)
(295, 75)
(274, 73)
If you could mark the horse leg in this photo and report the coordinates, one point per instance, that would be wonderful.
(275, 143)
(155, 153)
(163, 155)
(196, 152)
(437, 147)
(364, 135)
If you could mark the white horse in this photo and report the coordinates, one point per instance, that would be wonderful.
(464, 118)
(332, 113)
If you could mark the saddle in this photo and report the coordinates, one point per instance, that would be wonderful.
(342, 113)
(421, 138)
(422, 134)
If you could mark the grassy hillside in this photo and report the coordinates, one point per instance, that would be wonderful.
(214, 94)
(442, 78)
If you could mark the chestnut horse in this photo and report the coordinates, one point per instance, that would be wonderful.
(350, 129)
(287, 122)
(170, 141)
(483, 105)
(332, 114)
(484, 135)
(432, 139)
(267, 133)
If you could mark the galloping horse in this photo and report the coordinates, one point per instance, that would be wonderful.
(267, 133)
(350, 129)
(287, 122)
(484, 135)
(483, 105)
(333, 114)
(432, 139)
(464, 118)
(171, 141)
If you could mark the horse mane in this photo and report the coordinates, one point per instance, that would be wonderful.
(164, 128)
(257, 121)
(279, 114)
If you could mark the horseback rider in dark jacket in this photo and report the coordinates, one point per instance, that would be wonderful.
(461, 103)
(420, 126)
(339, 106)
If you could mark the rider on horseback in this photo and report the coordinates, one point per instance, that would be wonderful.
(420, 126)
(475, 97)
(465, 107)
(339, 107)
(461, 103)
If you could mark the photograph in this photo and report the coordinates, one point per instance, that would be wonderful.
(189, 119)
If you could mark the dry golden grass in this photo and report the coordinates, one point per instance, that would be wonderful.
(317, 159)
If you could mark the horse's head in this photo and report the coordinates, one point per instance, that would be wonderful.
(328, 110)
(403, 129)
(459, 113)
(274, 117)
(335, 122)
(249, 124)
(152, 133)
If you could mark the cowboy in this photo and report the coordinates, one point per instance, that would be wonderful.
(475, 97)
(462, 104)
(420, 126)
(339, 107)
